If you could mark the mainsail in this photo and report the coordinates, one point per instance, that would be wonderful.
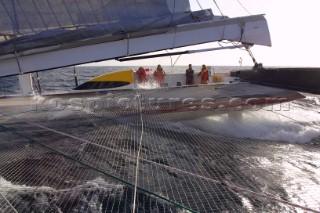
(37, 36)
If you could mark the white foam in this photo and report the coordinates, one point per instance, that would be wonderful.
(9, 189)
(7, 186)
(313, 100)
(263, 125)
(148, 85)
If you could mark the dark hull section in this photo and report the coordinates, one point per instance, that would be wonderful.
(302, 79)
(101, 85)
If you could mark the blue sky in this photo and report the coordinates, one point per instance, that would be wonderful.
(294, 28)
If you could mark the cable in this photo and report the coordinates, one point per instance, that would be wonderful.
(199, 5)
(243, 7)
(138, 155)
(218, 7)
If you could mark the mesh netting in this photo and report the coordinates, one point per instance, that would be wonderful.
(80, 154)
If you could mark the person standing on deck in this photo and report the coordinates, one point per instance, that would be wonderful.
(204, 75)
(159, 75)
(142, 74)
(189, 75)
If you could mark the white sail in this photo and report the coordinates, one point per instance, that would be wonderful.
(103, 34)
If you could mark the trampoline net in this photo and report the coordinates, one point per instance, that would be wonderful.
(80, 155)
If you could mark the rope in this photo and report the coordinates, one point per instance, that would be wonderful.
(138, 156)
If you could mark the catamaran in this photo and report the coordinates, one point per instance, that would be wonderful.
(58, 35)
(103, 147)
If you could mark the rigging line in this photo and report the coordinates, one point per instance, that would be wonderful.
(97, 169)
(243, 7)
(53, 13)
(138, 154)
(176, 60)
(39, 13)
(23, 12)
(199, 5)
(266, 195)
(218, 7)
(8, 202)
(81, 14)
(174, 7)
(17, 57)
(106, 13)
(128, 43)
(94, 14)
(69, 13)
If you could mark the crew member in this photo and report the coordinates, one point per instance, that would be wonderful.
(159, 75)
(142, 74)
(189, 75)
(204, 75)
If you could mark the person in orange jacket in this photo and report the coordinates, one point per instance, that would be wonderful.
(159, 75)
(204, 75)
(142, 74)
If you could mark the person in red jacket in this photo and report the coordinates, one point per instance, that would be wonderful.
(142, 74)
(159, 75)
(204, 75)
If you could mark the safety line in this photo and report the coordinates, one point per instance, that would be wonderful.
(98, 170)
(138, 155)
(269, 196)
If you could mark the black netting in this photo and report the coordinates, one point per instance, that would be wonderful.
(66, 154)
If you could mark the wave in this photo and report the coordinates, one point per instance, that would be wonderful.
(259, 125)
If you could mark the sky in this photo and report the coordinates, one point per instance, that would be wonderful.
(294, 28)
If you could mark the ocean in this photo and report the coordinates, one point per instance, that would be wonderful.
(68, 159)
